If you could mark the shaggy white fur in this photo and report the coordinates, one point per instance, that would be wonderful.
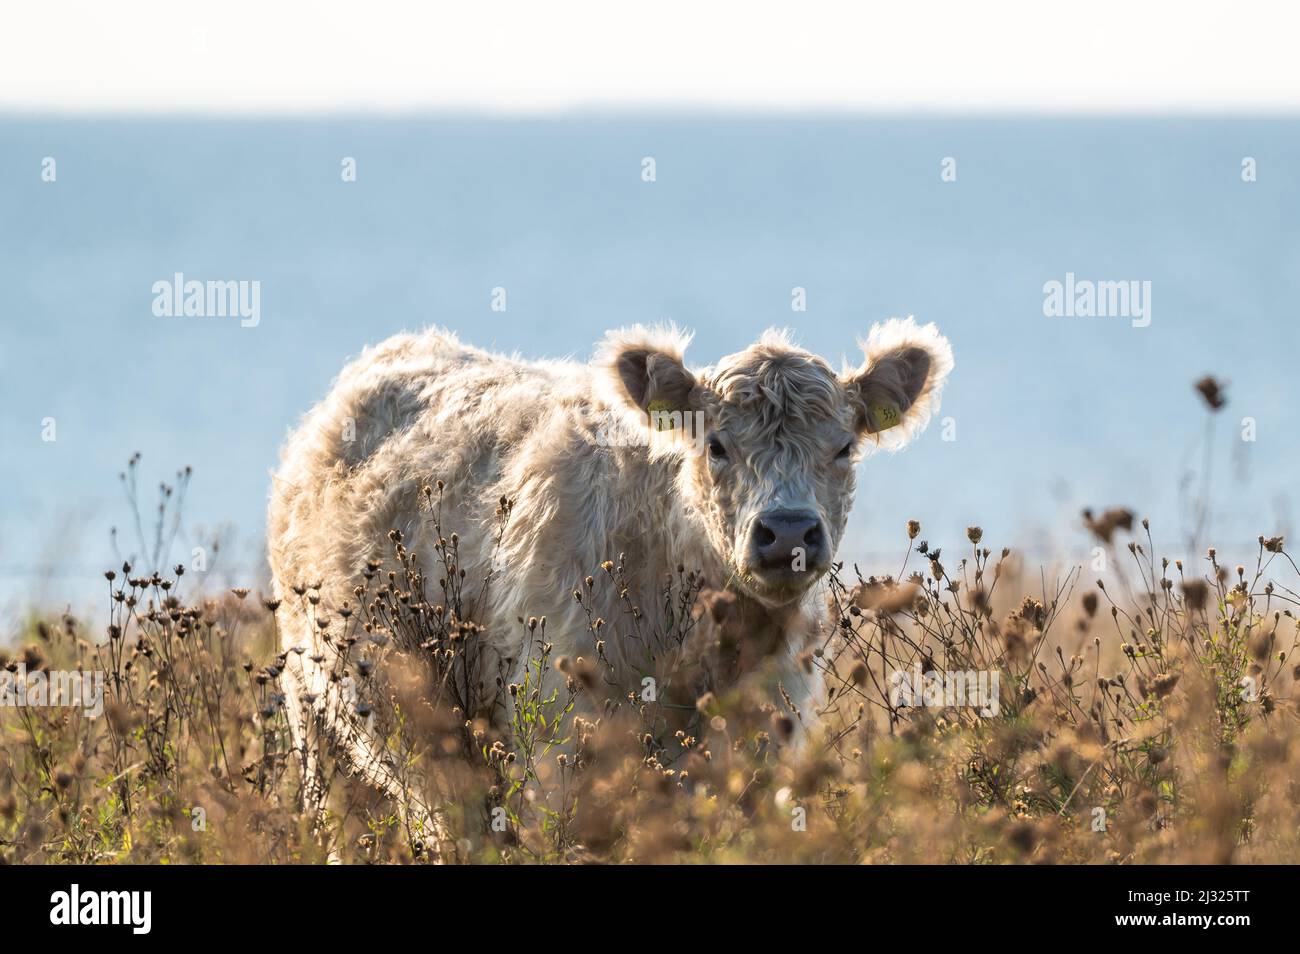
(773, 427)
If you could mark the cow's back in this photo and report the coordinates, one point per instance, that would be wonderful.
(413, 410)
(422, 409)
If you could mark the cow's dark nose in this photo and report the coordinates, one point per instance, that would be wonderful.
(778, 536)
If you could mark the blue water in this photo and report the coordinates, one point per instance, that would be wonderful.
(1050, 414)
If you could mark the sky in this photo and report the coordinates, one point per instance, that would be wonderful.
(209, 135)
(519, 56)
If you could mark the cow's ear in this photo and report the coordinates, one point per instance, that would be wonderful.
(897, 390)
(642, 370)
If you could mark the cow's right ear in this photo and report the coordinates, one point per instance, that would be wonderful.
(642, 370)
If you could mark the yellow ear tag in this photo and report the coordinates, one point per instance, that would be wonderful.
(660, 413)
(885, 416)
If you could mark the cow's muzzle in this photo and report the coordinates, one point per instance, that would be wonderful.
(787, 548)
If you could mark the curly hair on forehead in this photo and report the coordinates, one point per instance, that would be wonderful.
(774, 385)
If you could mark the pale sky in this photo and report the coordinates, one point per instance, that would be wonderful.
(525, 56)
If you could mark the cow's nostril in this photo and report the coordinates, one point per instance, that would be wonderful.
(787, 540)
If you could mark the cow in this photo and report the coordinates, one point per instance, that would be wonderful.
(743, 471)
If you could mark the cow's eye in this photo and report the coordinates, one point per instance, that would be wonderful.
(846, 452)
(716, 450)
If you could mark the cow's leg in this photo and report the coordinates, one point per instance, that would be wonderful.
(300, 680)
(368, 762)
(305, 731)
(319, 710)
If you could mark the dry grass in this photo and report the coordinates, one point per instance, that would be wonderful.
(1149, 718)
(1129, 707)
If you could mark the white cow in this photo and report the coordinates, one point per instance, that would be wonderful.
(744, 471)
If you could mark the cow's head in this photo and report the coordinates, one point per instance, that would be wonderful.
(769, 437)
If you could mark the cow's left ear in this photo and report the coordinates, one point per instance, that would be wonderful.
(897, 390)
(642, 370)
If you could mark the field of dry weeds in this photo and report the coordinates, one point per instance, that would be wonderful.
(1153, 724)
(1147, 715)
